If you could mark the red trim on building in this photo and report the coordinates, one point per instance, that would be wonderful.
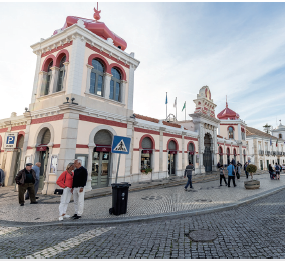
(221, 143)
(102, 121)
(228, 124)
(56, 146)
(146, 131)
(173, 139)
(99, 57)
(106, 55)
(189, 138)
(188, 145)
(152, 140)
(172, 135)
(60, 55)
(21, 127)
(164, 150)
(47, 61)
(47, 119)
(136, 149)
(21, 133)
(4, 130)
(29, 148)
(57, 49)
(221, 149)
(81, 146)
(0, 142)
(231, 126)
(120, 68)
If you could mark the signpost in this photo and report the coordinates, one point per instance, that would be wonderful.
(120, 145)
(10, 140)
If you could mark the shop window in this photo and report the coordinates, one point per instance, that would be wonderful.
(97, 78)
(115, 85)
(146, 162)
(47, 80)
(231, 133)
(61, 74)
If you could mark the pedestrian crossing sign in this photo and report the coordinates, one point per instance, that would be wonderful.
(121, 145)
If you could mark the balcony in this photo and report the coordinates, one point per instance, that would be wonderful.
(261, 152)
(267, 152)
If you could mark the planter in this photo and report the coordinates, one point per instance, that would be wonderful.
(145, 177)
(252, 184)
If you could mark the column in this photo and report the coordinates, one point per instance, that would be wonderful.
(239, 132)
(76, 66)
(26, 140)
(65, 76)
(215, 149)
(41, 84)
(89, 68)
(131, 87)
(107, 79)
(184, 164)
(36, 78)
(123, 91)
(53, 80)
(91, 147)
(128, 159)
(201, 149)
(161, 172)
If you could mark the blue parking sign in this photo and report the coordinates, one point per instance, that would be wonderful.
(10, 139)
(121, 145)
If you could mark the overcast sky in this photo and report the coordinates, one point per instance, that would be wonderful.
(237, 49)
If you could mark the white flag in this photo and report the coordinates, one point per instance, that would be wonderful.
(175, 104)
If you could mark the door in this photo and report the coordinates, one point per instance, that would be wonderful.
(171, 164)
(207, 159)
(44, 155)
(261, 165)
(267, 163)
(17, 165)
(100, 169)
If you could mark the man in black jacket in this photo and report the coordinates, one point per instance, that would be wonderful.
(188, 173)
(26, 180)
(79, 182)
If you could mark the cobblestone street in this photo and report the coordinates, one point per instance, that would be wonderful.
(254, 230)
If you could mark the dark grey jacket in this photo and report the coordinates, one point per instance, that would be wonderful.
(188, 170)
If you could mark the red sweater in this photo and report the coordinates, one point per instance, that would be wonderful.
(68, 180)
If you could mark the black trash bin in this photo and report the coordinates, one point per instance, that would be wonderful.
(119, 198)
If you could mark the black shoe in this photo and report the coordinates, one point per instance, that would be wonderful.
(37, 197)
(22, 204)
(235, 185)
(229, 186)
(77, 217)
(74, 216)
(221, 185)
(27, 198)
(34, 202)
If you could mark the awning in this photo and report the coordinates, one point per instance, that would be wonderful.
(147, 151)
(191, 152)
(172, 152)
(42, 147)
(104, 148)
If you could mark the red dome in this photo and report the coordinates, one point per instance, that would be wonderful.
(97, 28)
(227, 114)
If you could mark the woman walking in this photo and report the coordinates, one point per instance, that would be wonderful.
(65, 181)
(222, 175)
(270, 169)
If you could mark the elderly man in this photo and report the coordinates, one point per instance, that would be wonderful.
(79, 182)
(37, 169)
(26, 179)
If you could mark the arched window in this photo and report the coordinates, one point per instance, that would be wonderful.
(172, 145)
(115, 85)
(191, 153)
(146, 154)
(231, 133)
(280, 136)
(96, 78)
(47, 79)
(46, 137)
(61, 74)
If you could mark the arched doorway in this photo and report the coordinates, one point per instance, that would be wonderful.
(235, 155)
(44, 155)
(101, 160)
(191, 153)
(20, 144)
(221, 155)
(172, 151)
(147, 147)
(228, 156)
(244, 157)
(207, 156)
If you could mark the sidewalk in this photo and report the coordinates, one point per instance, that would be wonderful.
(164, 200)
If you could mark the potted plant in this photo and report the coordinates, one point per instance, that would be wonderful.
(251, 184)
(143, 170)
(147, 170)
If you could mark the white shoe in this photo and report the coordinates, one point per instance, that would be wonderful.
(66, 216)
(60, 218)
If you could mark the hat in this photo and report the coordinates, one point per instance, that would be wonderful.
(29, 164)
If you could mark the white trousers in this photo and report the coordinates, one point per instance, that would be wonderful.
(78, 198)
(64, 200)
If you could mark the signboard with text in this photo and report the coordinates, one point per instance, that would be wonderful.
(10, 140)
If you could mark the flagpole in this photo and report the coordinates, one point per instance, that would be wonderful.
(166, 106)
(185, 110)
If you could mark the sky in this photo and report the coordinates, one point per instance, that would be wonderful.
(237, 49)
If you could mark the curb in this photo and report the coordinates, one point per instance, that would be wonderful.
(153, 217)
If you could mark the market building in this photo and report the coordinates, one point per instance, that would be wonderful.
(83, 95)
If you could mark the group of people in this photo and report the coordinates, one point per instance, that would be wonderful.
(275, 173)
(72, 181)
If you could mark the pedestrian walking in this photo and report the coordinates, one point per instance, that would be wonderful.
(26, 179)
(37, 169)
(2, 177)
(238, 170)
(188, 173)
(65, 181)
(245, 166)
(277, 171)
(222, 175)
(78, 190)
(270, 169)
(231, 174)
(233, 162)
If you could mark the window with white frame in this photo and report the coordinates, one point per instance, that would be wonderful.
(61, 74)
(115, 85)
(231, 132)
(47, 80)
(97, 78)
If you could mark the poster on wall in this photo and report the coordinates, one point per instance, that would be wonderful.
(53, 164)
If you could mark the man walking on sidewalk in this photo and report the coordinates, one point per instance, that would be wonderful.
(188, 172)
(37, 169)
(231, 174)
(26, 179)
(78, 190)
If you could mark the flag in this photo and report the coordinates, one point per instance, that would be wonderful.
(270, 142)
(175, 103)
(277, 143)
(166, 99)
(184, 106)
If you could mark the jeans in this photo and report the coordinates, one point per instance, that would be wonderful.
(229, 180)
(189, 182)
(246, 173)
(222, 177)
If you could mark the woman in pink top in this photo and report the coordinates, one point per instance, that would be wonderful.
(65, 181)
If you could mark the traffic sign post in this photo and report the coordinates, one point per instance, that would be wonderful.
(10, 141)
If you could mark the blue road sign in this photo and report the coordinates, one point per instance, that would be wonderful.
(121, 145)
(10, 140)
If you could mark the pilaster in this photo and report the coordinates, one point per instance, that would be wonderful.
(89, 69)
(123, 91)
(54, 80)
(131, 87)
(36, 78)
(107, 79)
(66, 65)
(89, 167)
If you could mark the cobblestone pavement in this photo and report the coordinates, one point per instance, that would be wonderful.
(255, 230)
(141, 203)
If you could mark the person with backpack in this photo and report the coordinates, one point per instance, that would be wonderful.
(222, 176)
(231, 174)
(277, 170)
(188, 173)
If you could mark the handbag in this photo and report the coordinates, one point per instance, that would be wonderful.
(59, 191)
